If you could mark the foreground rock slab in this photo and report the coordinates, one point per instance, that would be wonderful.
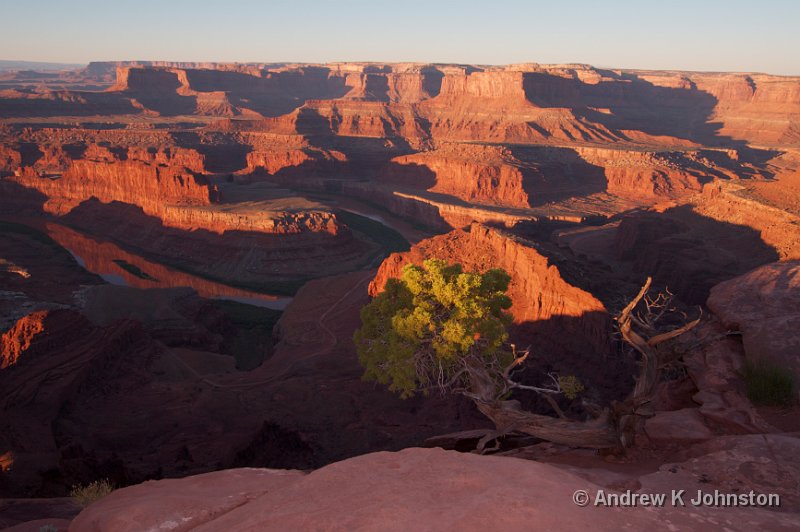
(415, 489)
(764, 305)
(678, 426)
(762, 463)
(182, 504)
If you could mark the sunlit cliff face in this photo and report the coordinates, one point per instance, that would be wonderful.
(6, 460)
(10, 267)
(122, 267)
(233, 179)
(17, 340)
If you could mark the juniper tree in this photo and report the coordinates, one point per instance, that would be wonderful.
(439, 327)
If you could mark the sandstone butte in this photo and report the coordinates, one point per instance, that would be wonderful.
(574, 316)
(250, 181)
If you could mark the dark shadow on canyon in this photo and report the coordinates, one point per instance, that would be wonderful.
(364, 170)
(637, 104)
(270, 94)
(376, 88)
(215, 256)
(557, 174)
(222, 155)
(318, 416)
(350, 178)
(689, 252)
(634, 104)
(582, 346)
(684, 251)
(30, 153)
(432, 81)
(18, 200)
(75, 103)
(304, 421)
(157, 90)
(132, 270)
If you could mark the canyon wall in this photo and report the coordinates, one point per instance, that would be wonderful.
(518, 136)
(729, 203)
(99, 256)
(532, 176)
(718, 235)
(516, 103)
(546, 308)
(167, 183)
(480, 174)
(150, 185)
(18, 338)
(254, 259)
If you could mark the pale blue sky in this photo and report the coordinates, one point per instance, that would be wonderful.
(716, 35)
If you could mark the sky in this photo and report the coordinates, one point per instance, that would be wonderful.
(710, 35)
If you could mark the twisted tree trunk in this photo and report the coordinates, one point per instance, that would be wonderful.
(613, 428)
(508, 417)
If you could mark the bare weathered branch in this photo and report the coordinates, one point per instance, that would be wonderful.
(518, 360)
(487, 381)
(537, 389)
(554, 406)
(674, 333)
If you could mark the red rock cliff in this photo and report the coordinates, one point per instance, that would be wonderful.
(150, 186)
(539, 293)
(16, 340)
(481, 174)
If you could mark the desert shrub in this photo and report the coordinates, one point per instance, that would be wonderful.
(434, 326)
(440, 328)
(570, 385)
(85, 495)
(768, 383)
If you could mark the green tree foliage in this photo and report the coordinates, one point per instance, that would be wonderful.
(424, 327)
(570, 386)
(440, 327)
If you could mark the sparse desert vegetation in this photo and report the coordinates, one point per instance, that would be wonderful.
(91, 492)
(414, 295)
(769, 384)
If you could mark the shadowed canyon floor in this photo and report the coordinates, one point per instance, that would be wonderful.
(185, 248)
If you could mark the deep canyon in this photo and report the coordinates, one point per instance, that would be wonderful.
(185, 249)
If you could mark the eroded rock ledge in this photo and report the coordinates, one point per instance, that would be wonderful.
(414, 489)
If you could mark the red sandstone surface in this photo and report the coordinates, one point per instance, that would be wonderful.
(241, 180)
(764, 305)
(421, 489)
(575, 313)
(18, 339)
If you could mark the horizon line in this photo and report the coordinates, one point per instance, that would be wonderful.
(378, 62)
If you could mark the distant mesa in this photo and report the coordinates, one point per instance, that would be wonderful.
(185, 248)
